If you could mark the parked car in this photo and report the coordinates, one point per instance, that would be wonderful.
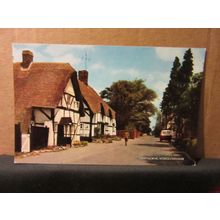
(165, 135)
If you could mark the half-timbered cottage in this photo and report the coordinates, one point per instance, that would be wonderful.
(48, 103)
(98, 114)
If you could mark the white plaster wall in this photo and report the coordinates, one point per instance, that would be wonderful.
(66, 113)
(49, 124)
(93, 130)
(40, 117)
(106, 130)
(84, 131)
(55, 139)
(86, 118)
(59, 114)
(97, 118)
(25, 143)
(69, 88)
(114, 128)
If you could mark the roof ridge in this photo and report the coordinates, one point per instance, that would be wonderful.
(90, 100)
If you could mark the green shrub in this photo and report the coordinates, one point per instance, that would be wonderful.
(116, 138)
(188, 145)
(76, 143)
(84, 143)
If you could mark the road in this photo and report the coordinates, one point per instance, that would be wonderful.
(115, 153)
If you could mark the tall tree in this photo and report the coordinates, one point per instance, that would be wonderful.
(186, 70)
(132, 101)
(191, 103)
(195, 94)
(175, 102)
(171, 94)
(182, 111)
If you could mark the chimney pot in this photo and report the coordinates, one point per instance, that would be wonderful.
(83, 76)
(27, 58)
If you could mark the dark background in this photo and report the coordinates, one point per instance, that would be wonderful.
(205, 177)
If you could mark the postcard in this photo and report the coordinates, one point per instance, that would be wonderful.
(107, 105)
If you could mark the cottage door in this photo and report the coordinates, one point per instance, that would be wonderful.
(17, 137)
(102, 128)
(39, 137)
(60, 135)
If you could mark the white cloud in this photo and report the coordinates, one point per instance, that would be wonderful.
(153, 77)
(168, 53)
(199, 60)
(17, 54)
(59, 55)
(96, 66)
(67, 53)
(157, 102)
(159, 87)
(134, 73)
(59, 50)
(67, 58)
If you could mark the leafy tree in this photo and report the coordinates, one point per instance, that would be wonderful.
(181, 98)
(132, 101)
(191, 103)
(195, 101)
(186, 70)
(172, 93)
(182, 111)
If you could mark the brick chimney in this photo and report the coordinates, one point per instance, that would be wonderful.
(27, 58)
(83, 76)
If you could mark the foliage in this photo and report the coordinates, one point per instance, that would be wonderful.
(76, 143)
(80, 143)
(182, 96)
(191, 103)
(132, 101)
(84, 143)
(172, 92)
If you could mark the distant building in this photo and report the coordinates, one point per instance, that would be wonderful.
(98, 114)
(48, 103)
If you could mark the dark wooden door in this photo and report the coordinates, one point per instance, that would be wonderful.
(102, 128)
(39, 137)
(60, 135)
(17, 138)
(61, 139)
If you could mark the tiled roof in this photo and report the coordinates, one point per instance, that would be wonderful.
(94, 100)
(42, 85)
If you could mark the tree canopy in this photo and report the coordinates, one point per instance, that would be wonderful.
(181, 97)
(132, 101)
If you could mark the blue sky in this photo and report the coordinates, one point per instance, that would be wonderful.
(107, 64)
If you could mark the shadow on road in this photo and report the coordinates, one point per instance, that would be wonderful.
(154, 145)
